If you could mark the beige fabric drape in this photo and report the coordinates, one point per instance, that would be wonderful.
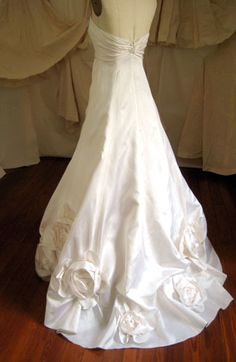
(193, 23)
(172, 84)
(34, 35)
(74, 81)
(30, 126)
(209, 131)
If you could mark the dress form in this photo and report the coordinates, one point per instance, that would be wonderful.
(128, 19)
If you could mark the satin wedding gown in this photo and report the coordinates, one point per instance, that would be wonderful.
(123, 238)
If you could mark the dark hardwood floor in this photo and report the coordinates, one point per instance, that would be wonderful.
(24, 194)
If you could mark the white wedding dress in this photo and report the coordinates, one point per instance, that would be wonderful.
(123, 237)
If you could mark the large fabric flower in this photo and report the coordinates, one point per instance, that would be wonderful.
(188, 291)
(53, 237)
(133, 325)
(81, 280)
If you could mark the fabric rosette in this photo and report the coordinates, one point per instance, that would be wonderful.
(81, 280)
(133, 324)
(75, 286)
(53, 238)
(186, 290)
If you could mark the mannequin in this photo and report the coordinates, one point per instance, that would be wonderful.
(128, 19)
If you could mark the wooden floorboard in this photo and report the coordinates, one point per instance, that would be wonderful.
(24, 194)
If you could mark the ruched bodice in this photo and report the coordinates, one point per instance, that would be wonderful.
(109, 47)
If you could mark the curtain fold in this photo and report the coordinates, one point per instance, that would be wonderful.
(35, 35)
(209, 130)
(193, 23)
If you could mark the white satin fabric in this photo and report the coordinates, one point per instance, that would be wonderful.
(123, 237)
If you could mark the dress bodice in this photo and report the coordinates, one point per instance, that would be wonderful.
(109, 47)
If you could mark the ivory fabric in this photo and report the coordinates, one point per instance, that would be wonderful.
(123, 238)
